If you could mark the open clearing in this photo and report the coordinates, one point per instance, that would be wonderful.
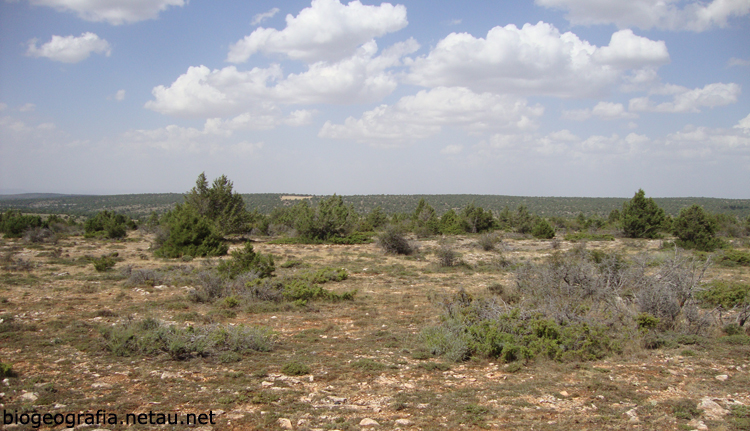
(357, 357)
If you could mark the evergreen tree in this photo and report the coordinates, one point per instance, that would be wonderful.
(424, 219)
(219, 204)
(641, 217)
(696, 229)
(476, 218)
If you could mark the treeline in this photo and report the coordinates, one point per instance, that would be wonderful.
(140, 206)
(211, 213)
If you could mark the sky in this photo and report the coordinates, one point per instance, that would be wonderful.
(589, 98)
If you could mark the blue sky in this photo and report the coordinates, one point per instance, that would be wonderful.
(537, 98)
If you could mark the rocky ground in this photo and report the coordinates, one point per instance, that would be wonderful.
(361, 370)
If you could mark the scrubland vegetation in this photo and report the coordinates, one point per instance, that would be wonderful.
(468, 318)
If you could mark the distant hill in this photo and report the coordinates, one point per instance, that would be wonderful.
(141, 205)
(33, 196)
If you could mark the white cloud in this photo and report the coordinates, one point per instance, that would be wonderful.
(215, 137)
(603, 110)
(744, 124)
(423, 115)
(70, 49)
(611, 111)
(646, 14)
(704, 142)
(686, 100)
(452, 149)
(120, 95)
(361, 78)
(535, 60)
(114, 12)
(28, 107)
(259, 18)
(327, 30)
(734, 61)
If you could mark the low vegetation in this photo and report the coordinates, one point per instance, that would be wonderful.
(462, 316)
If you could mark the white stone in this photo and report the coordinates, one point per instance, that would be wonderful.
(721, 377)
(367, 422)
(711, 409)
(285, 423)
(29, 396)
(403, 422)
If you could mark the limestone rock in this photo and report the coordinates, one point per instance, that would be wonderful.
(722, 377)
(711, 409)
(403, 422)
(367, 422)
(29, 397)
(285, 423)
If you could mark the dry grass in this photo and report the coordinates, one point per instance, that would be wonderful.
(333, 363)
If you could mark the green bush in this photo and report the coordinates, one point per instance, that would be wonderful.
(187, 233)
(6, 370)
(641, 217)
(647, 321)
(476, 327)
(14, 224)
(246, 260)
(104, 263)
(733, 258)
(727, 294)
(330, 219)
(295, 368)
(150, 337)
(107, 224)
(696, 229)
(543, 230)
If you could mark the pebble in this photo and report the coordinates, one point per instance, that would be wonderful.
(285, 423)
(403, 422)
(721, 377)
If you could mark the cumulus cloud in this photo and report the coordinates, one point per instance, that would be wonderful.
(70, 49)
(424, 114)
(120, 95)
(686, 100)
(744, 124)
(259, 18)
(327, 30)
(603, 110)
(27, 107)
(361, 78)
(115, 12)
(535, 60)
(678, 15)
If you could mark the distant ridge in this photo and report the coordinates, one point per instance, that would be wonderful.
(34, 196)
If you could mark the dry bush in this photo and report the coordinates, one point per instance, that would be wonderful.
(447, 256)
(393, 241)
